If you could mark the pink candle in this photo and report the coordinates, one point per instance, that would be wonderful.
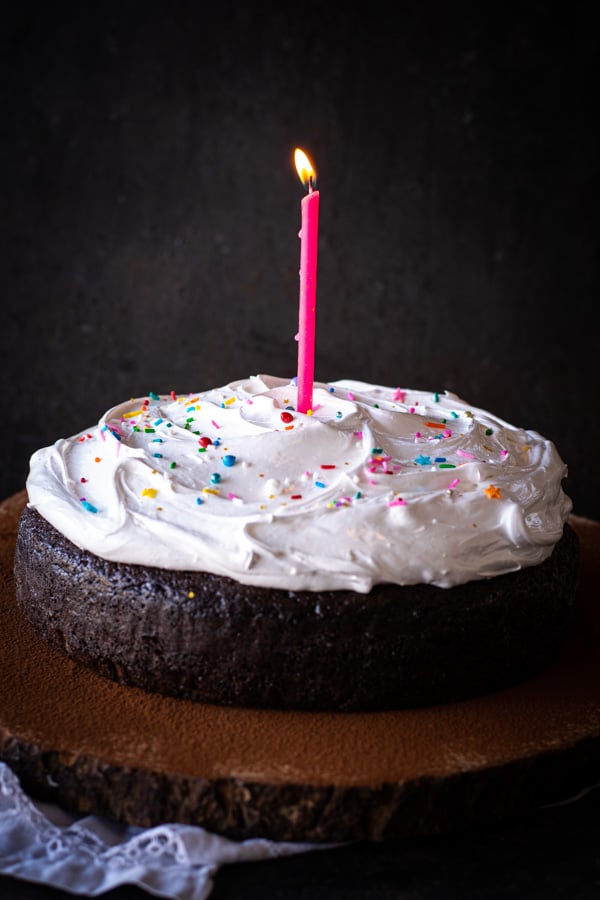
(309, 235)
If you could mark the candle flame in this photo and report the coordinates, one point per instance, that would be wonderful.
(305, 169)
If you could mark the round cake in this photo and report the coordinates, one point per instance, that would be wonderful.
(390, 548)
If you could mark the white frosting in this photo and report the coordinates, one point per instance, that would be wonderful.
(377, 485)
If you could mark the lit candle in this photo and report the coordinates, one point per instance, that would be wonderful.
(309, 235)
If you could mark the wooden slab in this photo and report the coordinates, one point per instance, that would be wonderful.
(95, 746)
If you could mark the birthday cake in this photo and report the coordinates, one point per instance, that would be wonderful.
(389, 548)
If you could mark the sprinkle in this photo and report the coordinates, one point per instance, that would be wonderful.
(423, 460)
(229, 401)
(153, 396)
(411, 409)
(215, 478)
(489, 431)
(199, 501)
(157, 455)
(89, 506)
(286, 417)
(149, 430)
(398, 501)
(439, 459)
(492, 492)
(454, 415)
(214, 423)
(417, 434)
(83, 480)
(173, 395)
(289, 428)
(377, 450)
(350, 396)
(327, 466)
(207, 490)
(465, 454)
(157, 441)
(447, 466)
(130, 415)
(436, 397)
(331, 390)
(435, 424)
(229, 460)
(504, 454)
(309, 412)
(320, 484)
(296, 497)
(172, 465)
(357, 495)
(97, 459)
(453, 484)
(399, 395)
(232, 496)
(201, 449)
(149, 492)
(204, 441)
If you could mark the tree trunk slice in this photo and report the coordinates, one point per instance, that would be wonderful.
(94, 746)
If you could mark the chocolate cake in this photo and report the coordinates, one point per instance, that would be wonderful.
(392, 548)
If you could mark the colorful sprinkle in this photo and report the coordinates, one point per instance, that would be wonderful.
(149, 492)
(229, 460)
(89, 506)
(423, 460)
(492, 492)
(286, 417)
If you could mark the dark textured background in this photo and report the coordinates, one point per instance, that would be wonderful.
(150, 207)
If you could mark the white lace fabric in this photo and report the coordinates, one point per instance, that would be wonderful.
(89, 855)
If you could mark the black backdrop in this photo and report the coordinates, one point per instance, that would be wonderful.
(150, 208)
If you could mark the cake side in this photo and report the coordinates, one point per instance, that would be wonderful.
(210, 638)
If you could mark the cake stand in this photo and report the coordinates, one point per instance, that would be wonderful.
(94, 746)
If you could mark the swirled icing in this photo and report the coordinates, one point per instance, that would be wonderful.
(376, 485)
